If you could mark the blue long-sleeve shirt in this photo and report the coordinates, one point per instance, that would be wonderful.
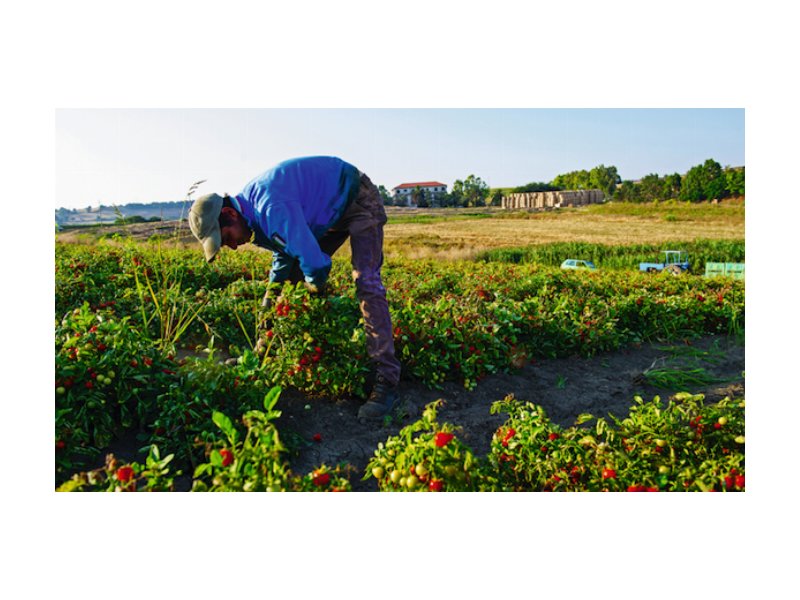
(292, 205)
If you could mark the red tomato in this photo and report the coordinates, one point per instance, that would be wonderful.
(609, 474)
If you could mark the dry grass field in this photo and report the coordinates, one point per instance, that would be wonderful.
(461, 234)
(425, 233)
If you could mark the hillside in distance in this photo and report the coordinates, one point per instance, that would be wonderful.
(166, 211)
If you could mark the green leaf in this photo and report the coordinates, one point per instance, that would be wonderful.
(215, 458)
(224, 423)
(154, 453)
(271, 399)
(468, 462)
(201, 470)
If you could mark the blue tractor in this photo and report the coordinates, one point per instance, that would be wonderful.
(675, 262)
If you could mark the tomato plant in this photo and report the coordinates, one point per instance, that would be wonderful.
(124, 311)
(153, 476)
(252, 458)
(426, 456)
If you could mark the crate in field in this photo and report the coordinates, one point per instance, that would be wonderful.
(735, 270)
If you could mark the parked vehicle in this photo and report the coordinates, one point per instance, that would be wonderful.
(675, 262)
(574, 263)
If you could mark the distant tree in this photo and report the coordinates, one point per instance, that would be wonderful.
(574, 180)
(448, 200)
(437, 199)
(627, 192)
(704, 182)
(734, 180)
(604, 178)
(475, 191)
(457, 195)
(600, 177)
(385, 196)
(671, 186)
(535, 186)
(715, 184)
(692, 185)
(650, 188)
(562, 181)
(496, 197)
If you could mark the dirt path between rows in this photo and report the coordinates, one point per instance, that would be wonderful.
(601, 385)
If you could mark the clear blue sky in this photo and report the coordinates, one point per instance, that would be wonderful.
(119, 156)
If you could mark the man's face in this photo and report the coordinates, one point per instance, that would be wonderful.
(237, 233)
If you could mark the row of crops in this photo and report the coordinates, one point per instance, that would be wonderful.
(140, 332)
(620, 257)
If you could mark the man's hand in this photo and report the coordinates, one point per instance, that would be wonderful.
(267, 302)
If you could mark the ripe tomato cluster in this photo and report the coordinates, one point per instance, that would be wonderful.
(647, 451)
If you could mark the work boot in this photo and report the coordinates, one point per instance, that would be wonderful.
(382, 400)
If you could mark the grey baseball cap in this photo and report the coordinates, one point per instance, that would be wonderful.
(204, 223)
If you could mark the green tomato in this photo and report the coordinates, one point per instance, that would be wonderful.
(420, 470)
(60, 390)
(722, 421)
(412, 481)
(377, 473)
(394, 476)
(663, 469)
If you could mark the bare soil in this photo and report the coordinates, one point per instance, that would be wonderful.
(602, 385)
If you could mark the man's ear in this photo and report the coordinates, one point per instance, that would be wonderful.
(228, 216)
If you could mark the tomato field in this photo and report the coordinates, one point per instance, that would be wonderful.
(151, 342)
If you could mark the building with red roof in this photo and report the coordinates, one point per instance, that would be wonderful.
(404, 194)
